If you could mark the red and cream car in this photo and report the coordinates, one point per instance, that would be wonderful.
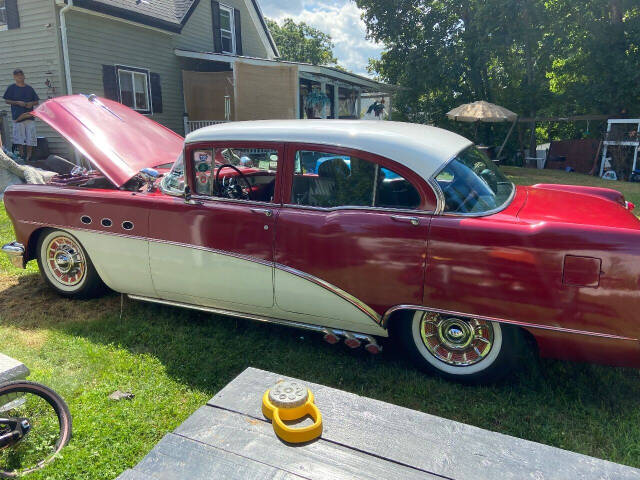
(355, 229)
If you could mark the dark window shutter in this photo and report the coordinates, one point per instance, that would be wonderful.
(238, 29)
(156, 92)
(13, 18)
(110, 82)
(215, 22)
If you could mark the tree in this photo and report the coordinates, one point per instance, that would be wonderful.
(535, 57)
(299, 42)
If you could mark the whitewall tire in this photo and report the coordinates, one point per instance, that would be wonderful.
(458, 348)
(66, 266)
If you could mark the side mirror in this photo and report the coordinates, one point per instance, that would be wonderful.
(149, 176)
(187, 194)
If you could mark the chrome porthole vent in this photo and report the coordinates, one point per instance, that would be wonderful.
(127, 225)
(86, 219)
(106, 222)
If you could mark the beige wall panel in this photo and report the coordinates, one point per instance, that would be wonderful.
(204, 94)
(265, 92)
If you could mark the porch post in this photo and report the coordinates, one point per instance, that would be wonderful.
(336, 96)
(235, 91)
(323, 89)
(359, 103)
(296, 92)
(389, 106)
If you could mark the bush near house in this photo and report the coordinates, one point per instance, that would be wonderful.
(174, 360)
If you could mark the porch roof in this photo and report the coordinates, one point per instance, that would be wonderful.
(308, 68)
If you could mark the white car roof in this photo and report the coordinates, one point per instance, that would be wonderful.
(421, 148)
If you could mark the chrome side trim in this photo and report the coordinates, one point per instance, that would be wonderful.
(15, 252)
(207, 198)
(360, 207)
(149, 239)
(360, 305)
(258, 318)
(363, 307)
(392, 310)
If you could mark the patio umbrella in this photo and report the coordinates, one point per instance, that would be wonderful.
(482, 111)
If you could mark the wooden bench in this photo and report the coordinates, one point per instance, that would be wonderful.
(362, 438)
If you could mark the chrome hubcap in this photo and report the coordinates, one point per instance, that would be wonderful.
(456, 341)
(65, 261)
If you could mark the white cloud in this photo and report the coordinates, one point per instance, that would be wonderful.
(338, 18)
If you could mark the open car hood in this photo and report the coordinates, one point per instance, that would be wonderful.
(117, 140)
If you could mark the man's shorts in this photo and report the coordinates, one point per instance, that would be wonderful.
(24, 133)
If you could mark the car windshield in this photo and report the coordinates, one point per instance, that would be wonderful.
(173, 182)
(472, 183)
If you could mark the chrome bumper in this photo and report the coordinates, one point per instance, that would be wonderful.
(15, 252)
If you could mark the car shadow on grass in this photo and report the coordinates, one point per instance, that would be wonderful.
(586, 408)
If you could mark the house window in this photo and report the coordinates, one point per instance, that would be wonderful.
(227, 29)
(3, 15)
(134, 88)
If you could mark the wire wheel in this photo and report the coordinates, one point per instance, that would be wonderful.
(44, 424)
(456, 341)
(65, 261)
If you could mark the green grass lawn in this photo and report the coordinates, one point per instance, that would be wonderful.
(174, 360)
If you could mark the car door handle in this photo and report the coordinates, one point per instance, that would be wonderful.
(263, 211)
(415, 221)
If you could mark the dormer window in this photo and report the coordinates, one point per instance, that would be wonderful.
(227, 29)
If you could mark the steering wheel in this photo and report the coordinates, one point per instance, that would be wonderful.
(231, 188)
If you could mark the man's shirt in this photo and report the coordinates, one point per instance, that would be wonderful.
(16, 93)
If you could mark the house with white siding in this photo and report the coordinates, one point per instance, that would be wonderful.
(184, 63)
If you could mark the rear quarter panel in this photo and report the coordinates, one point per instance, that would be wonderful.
(501, 267)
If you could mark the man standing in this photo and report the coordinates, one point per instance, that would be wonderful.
(22, 99)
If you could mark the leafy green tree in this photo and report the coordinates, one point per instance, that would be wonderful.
(299, 42)
(536, 57)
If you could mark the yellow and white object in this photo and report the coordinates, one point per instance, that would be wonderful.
(291, 401)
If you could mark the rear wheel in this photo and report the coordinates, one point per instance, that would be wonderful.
(66, 267)
(459, 348)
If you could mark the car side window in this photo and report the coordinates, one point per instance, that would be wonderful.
(329, 180)
(237, 173)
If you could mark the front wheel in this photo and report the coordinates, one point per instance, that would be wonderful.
(459, 348)
(66, 267)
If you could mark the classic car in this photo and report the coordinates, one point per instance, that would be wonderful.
(402, 230)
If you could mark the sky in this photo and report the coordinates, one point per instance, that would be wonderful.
(338, 18)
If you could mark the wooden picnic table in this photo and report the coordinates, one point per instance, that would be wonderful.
(229, 438)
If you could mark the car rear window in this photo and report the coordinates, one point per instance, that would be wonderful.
(472, 184)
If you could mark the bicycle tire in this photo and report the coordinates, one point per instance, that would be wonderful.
(60, 408)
